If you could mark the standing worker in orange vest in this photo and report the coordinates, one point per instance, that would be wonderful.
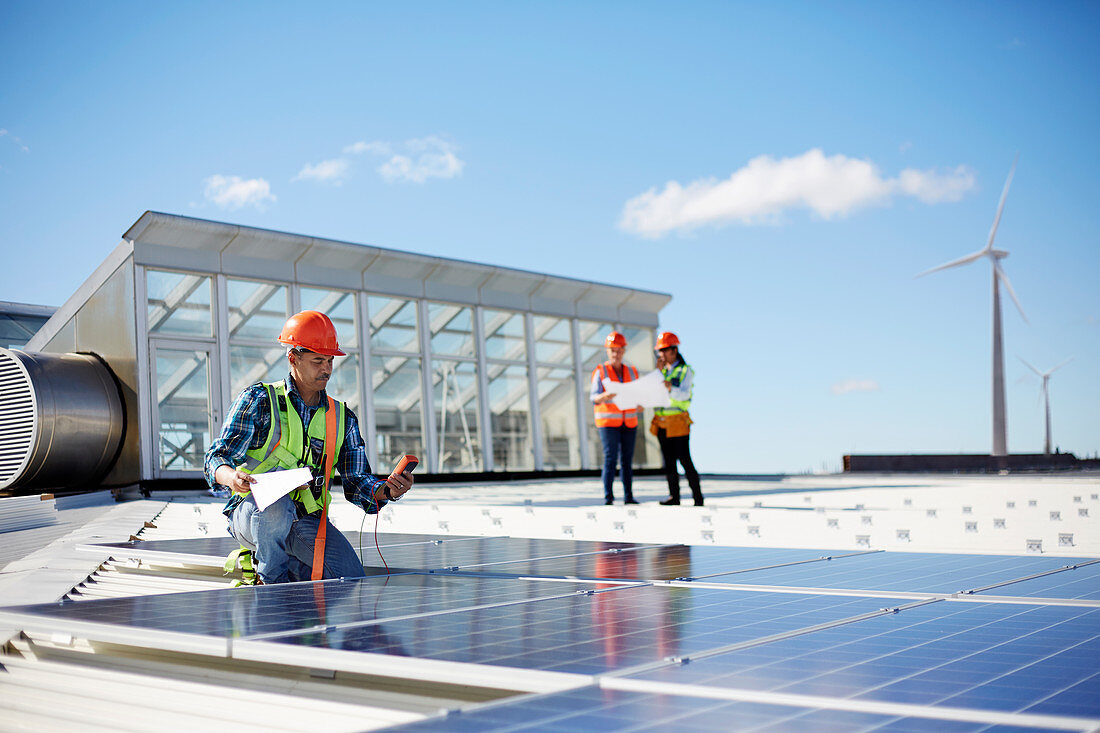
(672, 424)
(617, 427)
(290, 424)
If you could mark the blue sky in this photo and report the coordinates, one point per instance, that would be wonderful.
(783, 170)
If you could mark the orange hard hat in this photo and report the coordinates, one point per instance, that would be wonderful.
(311, 330)
(615, 339)
(667, 339)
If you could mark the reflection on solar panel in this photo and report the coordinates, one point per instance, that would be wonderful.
(644, 637)
(609, 711)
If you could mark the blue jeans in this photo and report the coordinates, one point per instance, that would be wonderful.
(282, 542)
(616, 440)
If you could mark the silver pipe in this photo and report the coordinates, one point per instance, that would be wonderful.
(61, 419)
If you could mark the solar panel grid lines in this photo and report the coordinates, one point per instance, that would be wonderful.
(1080, 581)
(608, 709)
(716, 651)
(330, 628)
(624, 627)
(801, 590)
(1015, 659)
(914, 572)
(824, 558)
(895, 710)
(608, 551)
(1034, 576)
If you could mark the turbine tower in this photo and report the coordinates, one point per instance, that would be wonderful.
(1000, 439)
(1045, 376)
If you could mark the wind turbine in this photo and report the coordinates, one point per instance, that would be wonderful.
(1000, 439)
(1045, 376)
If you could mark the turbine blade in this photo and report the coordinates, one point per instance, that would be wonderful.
(1029, 366)
(1067, 361)
(1008, 286)
(1001, 206)
(954, 263)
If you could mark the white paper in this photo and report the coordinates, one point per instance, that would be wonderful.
(274, 485)
(646, 391)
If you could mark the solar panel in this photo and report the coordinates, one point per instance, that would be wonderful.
(611, 711)
(246, 612)
(804, 631)
(423, 552)
(596, 632)
(213, 550)
(666, 562)
(1016, 658)
(1080, 580)
(902, 571)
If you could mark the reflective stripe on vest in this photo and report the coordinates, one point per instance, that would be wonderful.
(675, 375)
(608, 414)
(285, 447)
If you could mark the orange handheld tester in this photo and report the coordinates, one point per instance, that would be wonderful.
(406, 464)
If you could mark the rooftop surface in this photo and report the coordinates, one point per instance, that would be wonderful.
(802, 603)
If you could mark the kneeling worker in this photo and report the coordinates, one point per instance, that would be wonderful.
(292, 424)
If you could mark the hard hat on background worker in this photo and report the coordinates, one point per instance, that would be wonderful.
(667, 339)
(615, 339)
(313, 331)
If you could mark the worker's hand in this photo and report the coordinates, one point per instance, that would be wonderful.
(668, 385)
(604, 397)
(398, 483)
(238, 481)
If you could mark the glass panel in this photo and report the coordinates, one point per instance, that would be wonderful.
(454, 385)
(639, 353)
(344, 383)
(553, 342)
(257, 310)
(452, 329)
(338, 305)
(393, 324)
(251, 364)
(509, 409)
(558, 413)
(504, 335)
(639, 348)
(183, 407)
(592, 336)
(178, 304)
(397, 418)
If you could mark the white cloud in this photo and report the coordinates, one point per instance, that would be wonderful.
(332, 171)
(233, 192)
(934, 188)
(855, 385)
(19, 143)
(766, 187)
(428, 157)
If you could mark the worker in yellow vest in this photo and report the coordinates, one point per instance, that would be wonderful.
(617, 427)
(672, 424)
(290, 424)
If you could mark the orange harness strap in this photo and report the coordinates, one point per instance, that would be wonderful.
(327, 468)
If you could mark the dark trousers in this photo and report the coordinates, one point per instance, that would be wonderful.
(615, 441)
(676, 449)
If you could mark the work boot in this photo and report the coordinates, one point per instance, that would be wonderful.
(699, 502)
(670, 501)
(630, 501)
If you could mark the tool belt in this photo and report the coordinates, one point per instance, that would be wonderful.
(675, 426)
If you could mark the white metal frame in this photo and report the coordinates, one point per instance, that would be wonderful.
(217, 348)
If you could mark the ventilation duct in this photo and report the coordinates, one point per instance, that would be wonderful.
(61, 419)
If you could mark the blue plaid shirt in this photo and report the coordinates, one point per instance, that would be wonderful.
(246, 428)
